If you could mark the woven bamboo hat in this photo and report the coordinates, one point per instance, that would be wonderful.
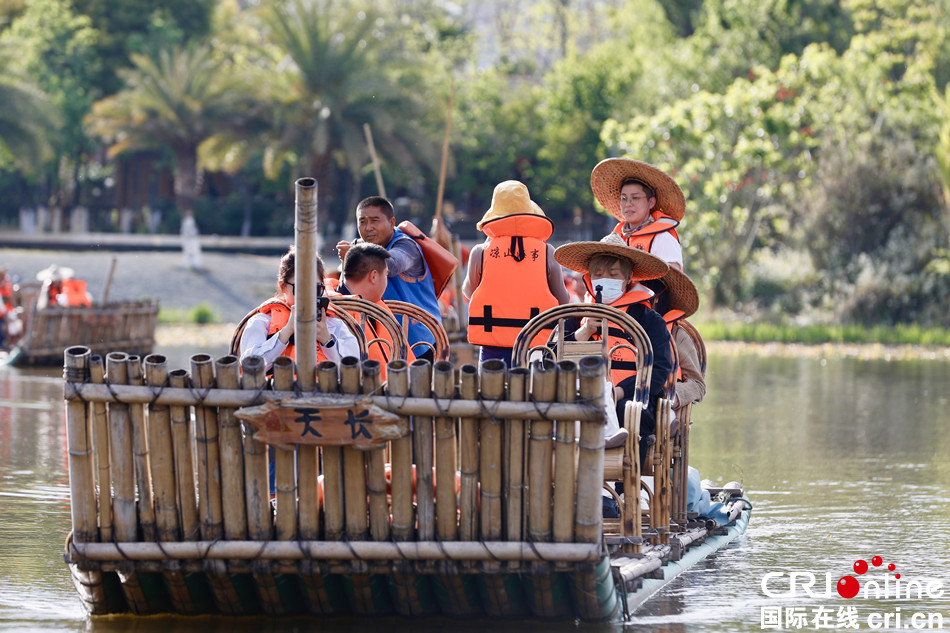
(509, 198)
(680, 289)
(54, 273)
(577, 256)
(609, 175)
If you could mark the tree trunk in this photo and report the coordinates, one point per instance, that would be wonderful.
(186, 190)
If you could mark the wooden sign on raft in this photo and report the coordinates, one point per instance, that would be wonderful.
(324, 421)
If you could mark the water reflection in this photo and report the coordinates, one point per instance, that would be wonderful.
(843, 459)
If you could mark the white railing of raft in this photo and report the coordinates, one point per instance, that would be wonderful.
(436, 464)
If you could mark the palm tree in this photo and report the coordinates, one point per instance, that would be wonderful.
(178, 101)
(339, 69)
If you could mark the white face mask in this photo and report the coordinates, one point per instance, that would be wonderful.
(610, 289)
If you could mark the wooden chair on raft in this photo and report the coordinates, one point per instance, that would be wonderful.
(680, 440)
(369, 318)
(414, 314)
(622, 463)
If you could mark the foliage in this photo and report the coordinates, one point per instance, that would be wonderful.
(26, 118)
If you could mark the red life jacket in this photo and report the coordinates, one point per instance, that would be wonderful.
(643, 237)
(623, 361)
(380, 350)
(514, 284)
(279, 315)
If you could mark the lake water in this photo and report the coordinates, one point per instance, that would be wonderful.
(843, 459)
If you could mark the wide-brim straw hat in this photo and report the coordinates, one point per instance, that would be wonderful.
(682, 291)
(54, 273)
(510, 198)
(577, 256)
(609, 175)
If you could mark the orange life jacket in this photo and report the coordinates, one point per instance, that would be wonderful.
(75, 292)
(279, 313)
(643, 237)
(623, 360)
(514, 284)
(380, 350)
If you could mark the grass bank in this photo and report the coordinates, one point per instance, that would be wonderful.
(735, 331)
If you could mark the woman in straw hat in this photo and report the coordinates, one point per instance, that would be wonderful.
(612, 271)
(512, 275)
(648, 204)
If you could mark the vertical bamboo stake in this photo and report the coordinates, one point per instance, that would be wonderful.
(305, 330)
(515, 445)
(82, 476)
(446, 462)
(308, 504)
(380, 187)
(420, 386)
(468, 458)
(162, 453)
(333, 519)
(140, 450)
(588, 524)
(285, 481)
(354, 466)
(184, 460)
(564, 456)
(540, 455)
(490, 467)
(256, 475)
(100, 434)
(120, 445)
(231, 446)
(376, 467)
(397, 383)
(209, 459)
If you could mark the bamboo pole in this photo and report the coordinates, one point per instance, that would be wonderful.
(660, 511)
(184, 460)
(308, 504)
(120, 445)
(100, 435)
(446, 462)
(306, 237)
(501, 410)
(354, 465)
(588, 524)
(140, 449)
(490, 439)
(82, 488)
(397, 384)
(540, 455)
(376, 467)
(420, 386)
(285, 480)
(515, 448)
(368, 132)
(208, 456)
(105, 290)
(231, 446)
(333, 519)
(162, 453)
(564, 457)
(445, 152)
(468, 458)
(256, 474)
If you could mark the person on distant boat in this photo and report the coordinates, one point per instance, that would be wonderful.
(512, 276)
(612, 272)
(410, 279)
(365, 275)
(268, 329)
(9, 321)
(61, 289)
(648, 204)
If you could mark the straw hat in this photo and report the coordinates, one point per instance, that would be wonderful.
(54, 273)
(577, 256)
(509, 198)
(680, 289)
(610, 174)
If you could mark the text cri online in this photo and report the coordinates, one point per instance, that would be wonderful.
(885, 586)
(845, 618)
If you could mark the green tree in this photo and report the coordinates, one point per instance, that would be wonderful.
(27, 119)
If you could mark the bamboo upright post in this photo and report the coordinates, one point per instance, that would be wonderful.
(82, 487)
(354, 466)
(306, 237)
(256, 474)
(420, 386)
(140, 450)
(468, 458)
(564, 456)
(376, 467)
(231, 446)
(162, 453)
(515, 446)
(184, 460)
(446, 462)
(120, 443)
(333, 519)
(285, 480)
(208, 456)
(100, 435)
(540, 455)
(397, 384)
(588, 524)
(308, 503)
(490, 440)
